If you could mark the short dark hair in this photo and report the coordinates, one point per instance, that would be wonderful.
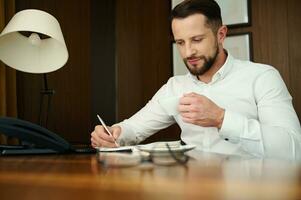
(209, 8)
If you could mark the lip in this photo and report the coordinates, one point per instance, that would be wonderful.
(193, 61)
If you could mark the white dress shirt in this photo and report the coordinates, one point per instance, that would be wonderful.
(259, 117)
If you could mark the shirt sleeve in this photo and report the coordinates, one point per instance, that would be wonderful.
(276, 132)
(150, 119)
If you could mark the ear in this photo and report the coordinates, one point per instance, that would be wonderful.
(222, 33)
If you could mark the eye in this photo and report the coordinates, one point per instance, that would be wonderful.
(197, 39)
(180, 42)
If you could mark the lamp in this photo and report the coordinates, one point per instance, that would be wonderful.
(33, 42)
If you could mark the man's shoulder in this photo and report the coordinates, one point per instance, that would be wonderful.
(179, 79)
(252, 67)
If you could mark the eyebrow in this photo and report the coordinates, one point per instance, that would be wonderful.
(201, 35)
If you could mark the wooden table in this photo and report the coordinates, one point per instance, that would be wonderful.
(210, 176)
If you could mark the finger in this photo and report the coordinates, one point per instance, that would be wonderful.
(102, 133)
(99, 129)
(116, 132)
(186, 100)
(106, 137)
(189, 115)
(191, 94)
(107, 144)
(183, 108)
(93, 143)
(192, 108)
(96, 138)
(101, 138)
(189, 120)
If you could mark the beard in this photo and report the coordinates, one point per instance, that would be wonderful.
(208, 62)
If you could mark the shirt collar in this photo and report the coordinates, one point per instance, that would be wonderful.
(225, 69)
(221, 73)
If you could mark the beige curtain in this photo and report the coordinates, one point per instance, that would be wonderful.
(8, 97)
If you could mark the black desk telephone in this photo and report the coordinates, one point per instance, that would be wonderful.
(35, 139)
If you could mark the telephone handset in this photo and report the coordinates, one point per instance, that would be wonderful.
(38, 139)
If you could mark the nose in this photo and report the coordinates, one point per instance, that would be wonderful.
(189, 50)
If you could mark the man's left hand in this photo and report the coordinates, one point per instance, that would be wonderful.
(199, 110)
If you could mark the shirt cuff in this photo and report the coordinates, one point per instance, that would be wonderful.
(127, 136)
(233, 125)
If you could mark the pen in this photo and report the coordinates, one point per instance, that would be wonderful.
(106, 128)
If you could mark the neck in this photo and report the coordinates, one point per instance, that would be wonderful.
(220, 60)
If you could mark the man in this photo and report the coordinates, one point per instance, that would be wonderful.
(226, 105)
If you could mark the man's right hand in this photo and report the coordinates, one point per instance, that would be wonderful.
(100, 138)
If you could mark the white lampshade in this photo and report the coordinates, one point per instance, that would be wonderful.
(33, 54)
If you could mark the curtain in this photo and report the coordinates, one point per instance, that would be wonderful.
(8, 95)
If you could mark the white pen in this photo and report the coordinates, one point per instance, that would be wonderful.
(106, 128)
